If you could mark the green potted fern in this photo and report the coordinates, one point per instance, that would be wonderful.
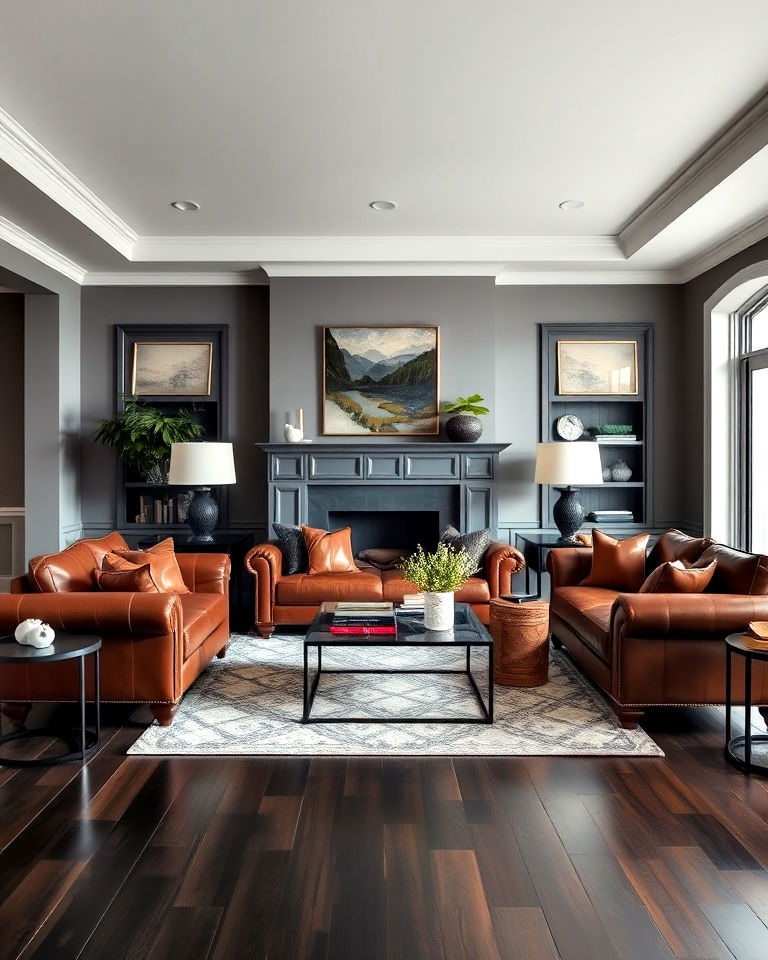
(438, 575)
(465, 425)
(142, 435)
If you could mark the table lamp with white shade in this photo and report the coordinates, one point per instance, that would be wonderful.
(202, 466)
(562, 465)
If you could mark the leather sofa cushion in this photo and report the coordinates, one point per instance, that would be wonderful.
(676, 545)
(737, 572)
(676, 577)
(202, 614)
(329, 552)
(475, 590)
(161, 558)
(617, 564)
(304, 588)
(588, 612)
(129, 579)
(74, 569)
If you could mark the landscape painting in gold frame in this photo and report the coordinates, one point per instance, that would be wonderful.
(381, 380)
(169, 369)
(597, 368)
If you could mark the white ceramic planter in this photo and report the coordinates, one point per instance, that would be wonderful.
(438, 611)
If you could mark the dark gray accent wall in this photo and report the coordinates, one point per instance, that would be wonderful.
(463, 308)
(246, 312)
(12, 399)
(695, 294)
(520, 310)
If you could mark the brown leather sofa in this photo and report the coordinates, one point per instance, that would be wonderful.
(295, 599)
(655, 649)
(154, 644)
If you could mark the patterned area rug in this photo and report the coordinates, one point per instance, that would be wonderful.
(251, 702)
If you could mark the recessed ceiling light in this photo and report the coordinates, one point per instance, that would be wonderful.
(185, 205)
(383, 205)
(571, 204)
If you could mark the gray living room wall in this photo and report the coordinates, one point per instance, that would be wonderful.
(489, 345)
(246, 312)
(12, 399)
(695, 294)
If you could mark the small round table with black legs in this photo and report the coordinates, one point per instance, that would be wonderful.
(740, 751)
(66, 646)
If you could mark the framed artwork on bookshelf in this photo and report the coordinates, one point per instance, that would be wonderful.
(597, 368)
(172, 369)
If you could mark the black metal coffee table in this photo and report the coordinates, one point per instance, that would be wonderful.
(66, 646)
(467, 632)
(740, 751)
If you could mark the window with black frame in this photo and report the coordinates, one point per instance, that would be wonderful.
(753, 432)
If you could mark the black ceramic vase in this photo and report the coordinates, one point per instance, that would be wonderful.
(463, 428)
(202, 515)
(568, 513)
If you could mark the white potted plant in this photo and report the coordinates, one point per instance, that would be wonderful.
(438, 575)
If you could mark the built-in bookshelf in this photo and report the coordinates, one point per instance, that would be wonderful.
(635, 410)
(144, 506)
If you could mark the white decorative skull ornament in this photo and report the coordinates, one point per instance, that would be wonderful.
(35, 633)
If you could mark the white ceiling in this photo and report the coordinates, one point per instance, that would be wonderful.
(283, 119)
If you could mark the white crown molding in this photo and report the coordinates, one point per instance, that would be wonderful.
(547, 278)
(394, 268)
(202, 279)
(281, 250)
(726, 248)
(746, 136)
(20, 150)
(19, 238)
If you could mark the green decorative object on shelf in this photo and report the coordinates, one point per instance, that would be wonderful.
(142, 435)
(615, 429)
(464, 426)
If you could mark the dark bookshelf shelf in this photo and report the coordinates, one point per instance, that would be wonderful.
(633, 495)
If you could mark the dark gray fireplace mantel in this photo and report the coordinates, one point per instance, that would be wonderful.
(382, 474)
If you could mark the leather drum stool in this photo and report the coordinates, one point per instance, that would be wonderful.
(520, 634)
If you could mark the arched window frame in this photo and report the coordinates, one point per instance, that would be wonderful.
(748, 360)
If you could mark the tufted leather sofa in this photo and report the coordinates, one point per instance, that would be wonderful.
(154, 644)
(654, 649)
(294, 599)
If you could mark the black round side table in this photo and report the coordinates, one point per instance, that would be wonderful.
(739, 750)
(66, 646)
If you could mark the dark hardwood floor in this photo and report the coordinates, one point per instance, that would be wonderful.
(228, 858)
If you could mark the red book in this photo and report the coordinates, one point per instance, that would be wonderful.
(363, 630)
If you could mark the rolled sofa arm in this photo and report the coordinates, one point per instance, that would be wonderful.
(205, 572)
(500, 563)
(99, 612)
(684, 614)
(265, 562)
(567, 566)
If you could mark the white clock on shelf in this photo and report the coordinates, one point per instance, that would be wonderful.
(569, 427)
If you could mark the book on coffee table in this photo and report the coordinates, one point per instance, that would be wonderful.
(350, 617)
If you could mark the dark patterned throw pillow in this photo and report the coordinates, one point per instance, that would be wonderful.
(475, 543)
(293, 548)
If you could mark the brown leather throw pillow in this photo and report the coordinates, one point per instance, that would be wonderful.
(163, 564)
(382, 558)
(675, 576)
(128, 578)
(617, 564)
(329, 552)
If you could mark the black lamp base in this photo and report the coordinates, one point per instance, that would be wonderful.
(568, 513)
(202, 516)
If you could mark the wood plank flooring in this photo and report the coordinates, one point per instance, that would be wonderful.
(402, 858)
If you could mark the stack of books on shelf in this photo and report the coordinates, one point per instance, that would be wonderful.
(611, 516)
(412, 603)
(615, 438)
(171, 509)
(361, 618)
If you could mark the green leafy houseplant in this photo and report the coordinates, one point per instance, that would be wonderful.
(443, 571)
(142, 436)
(466, 405)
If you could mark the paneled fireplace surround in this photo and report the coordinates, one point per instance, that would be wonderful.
(390, 494)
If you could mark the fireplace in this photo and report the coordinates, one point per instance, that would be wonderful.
(390, 494)
(404, 529)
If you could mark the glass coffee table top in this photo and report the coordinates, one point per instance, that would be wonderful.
(467, 628)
